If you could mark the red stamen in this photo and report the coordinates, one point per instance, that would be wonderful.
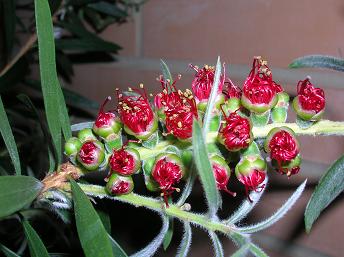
(122, 162)
(89, 153)
(310, 97)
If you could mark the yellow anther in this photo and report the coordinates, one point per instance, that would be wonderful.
(141, 85)
(179, 124)
(130, 89)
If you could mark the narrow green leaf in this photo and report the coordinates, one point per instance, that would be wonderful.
(54, 102)
(318, 61)
(50, 148)
(117, 249)
(242, 251)
(330, 186)
(36, 246)
(92, 234)
(204, 169)
(6, 133)
(17, 192)
(185, 244)
(277, 215)
(212, 98)
(217, 245)
(256, 251)
(8, 252)
(166, 71)
(168, 235)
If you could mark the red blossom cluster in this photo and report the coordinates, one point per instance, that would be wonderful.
(170, 117)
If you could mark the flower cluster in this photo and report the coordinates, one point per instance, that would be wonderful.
(157, 131)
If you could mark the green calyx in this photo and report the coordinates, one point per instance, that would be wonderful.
(249, 164)
(146, 134)
(107, 131)
(258, 108)
(220, 99)
(92, 159)
(306, 114)
(220, 161)
(273, 131)
(86, 135)
(119, 185)
(287, 166)
(72, 146)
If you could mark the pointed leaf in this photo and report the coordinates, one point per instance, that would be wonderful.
(204, 169)
(92, 234)
(82, 125)
(185, 244)
(256, 251)
(17, 192)
(212, 98)
(217, 245)
(8, 252)
(54, 102)
(277, 215)
(6, 133)
(168, 235)
(117, 249)
(36, 246)
(166, 71)
(330, 186)
(318, 61)
(153, 246)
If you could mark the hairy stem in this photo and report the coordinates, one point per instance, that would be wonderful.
(153, 204)
(323, 127)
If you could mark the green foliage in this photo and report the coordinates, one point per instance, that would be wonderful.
(204, 169)
(6, 133)
(17, 192)
(330, 186)
(318, 61)
(7, 251)
(55, 106)
(36, 246)
(92, 234)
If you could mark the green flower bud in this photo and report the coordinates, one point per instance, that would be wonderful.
(86, 135)
(72, 146)
(119, 185)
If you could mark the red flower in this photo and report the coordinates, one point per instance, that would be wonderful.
(91, 155)
(283, 147)
(180, 110)
(119, 185)
(236, 133)
(106, 123)
(203, 82)
(310, 101)
(125, 161)
(251, 171)
(253, 181)
(259, 90)
(167, 172)
(221, 178)
(136, 114)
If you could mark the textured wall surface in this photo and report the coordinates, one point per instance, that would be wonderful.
(198, 31)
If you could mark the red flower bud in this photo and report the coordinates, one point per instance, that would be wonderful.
(91, 155)
(106, 123)
(119, 185)
(203, 82)
(310, 102)
(235, 134)
(167, 171)
(125, 161)
(180, 110)
(231, 90)
(283, 147)
(259, 90)
(136, 114)
(222, 173)
(251, 171)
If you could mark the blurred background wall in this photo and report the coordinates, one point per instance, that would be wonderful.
(198, 31)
